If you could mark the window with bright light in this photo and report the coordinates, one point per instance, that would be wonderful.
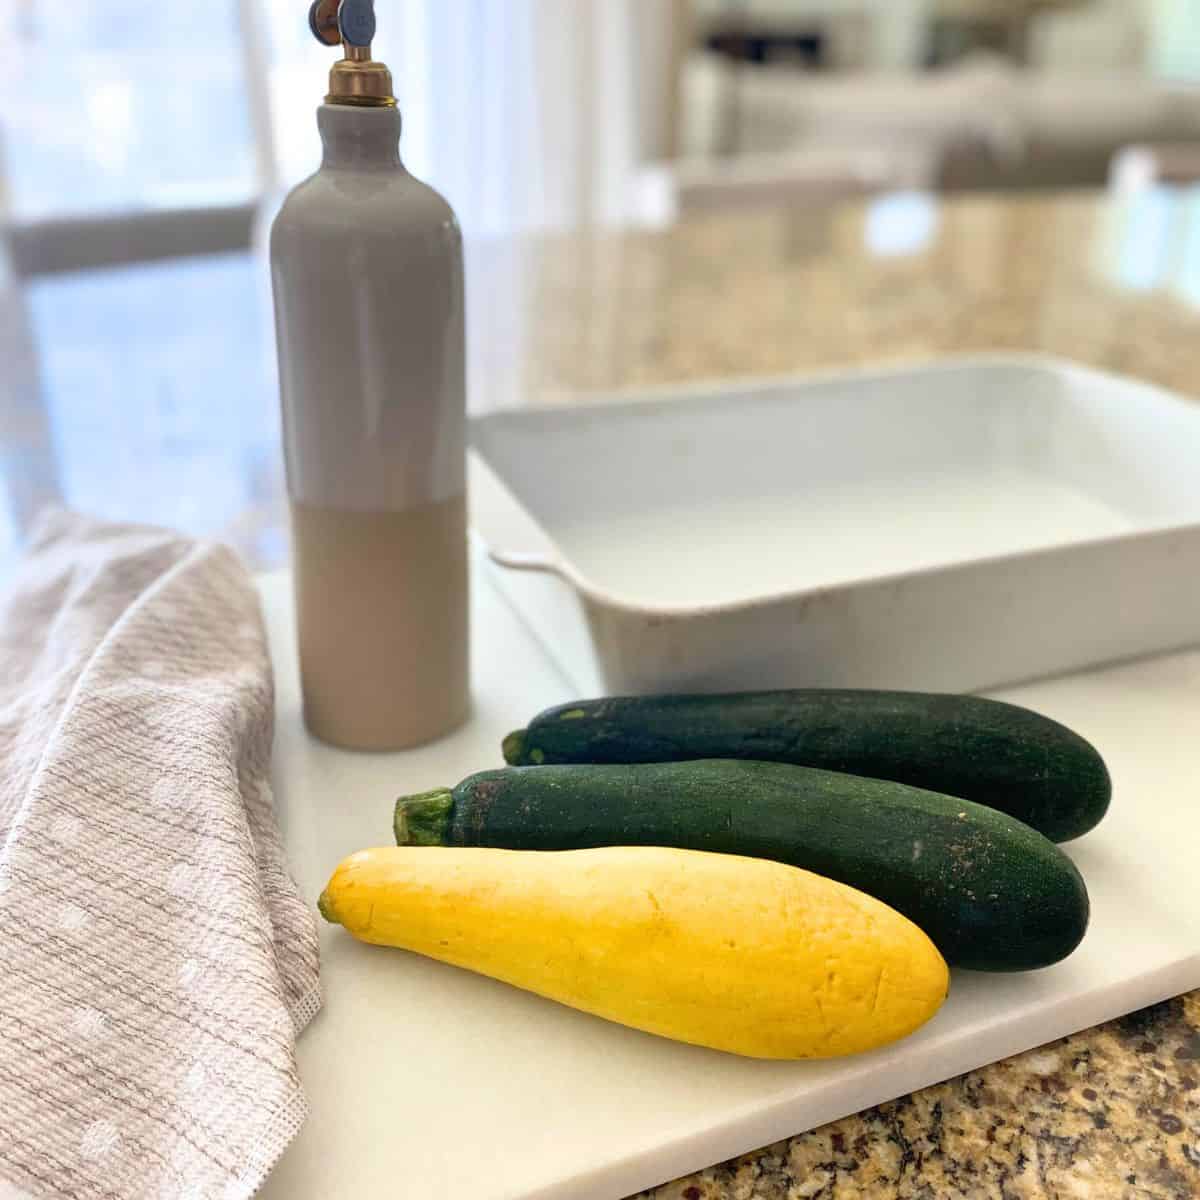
(523, 112)
(118, 105)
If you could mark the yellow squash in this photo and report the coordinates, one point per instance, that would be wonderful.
(738, 954)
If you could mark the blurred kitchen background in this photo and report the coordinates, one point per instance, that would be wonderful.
(846, 178)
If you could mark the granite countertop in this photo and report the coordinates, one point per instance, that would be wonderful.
(1114, 1112)
(1114, 284)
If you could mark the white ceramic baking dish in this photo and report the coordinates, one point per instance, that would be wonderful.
(948, 527)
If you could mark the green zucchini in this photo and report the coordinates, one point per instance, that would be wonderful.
(995, 754)
(991, 893)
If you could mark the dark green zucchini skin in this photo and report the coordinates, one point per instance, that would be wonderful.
(995, 754)
(991, 893)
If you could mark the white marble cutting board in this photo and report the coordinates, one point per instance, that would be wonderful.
(429, 1083)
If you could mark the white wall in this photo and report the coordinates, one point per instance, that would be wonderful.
(1104, 36)
(900, 32)
(1175, 38)
(659, 27)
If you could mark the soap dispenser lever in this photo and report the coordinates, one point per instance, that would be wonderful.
(356, 78)
(348, 22)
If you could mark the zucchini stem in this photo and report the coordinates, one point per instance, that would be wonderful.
(424, 819)
(514, 748)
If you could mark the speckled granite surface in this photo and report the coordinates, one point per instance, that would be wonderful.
(1110, 1113)
(1115, 285)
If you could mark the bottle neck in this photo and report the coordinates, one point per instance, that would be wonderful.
(358, 137)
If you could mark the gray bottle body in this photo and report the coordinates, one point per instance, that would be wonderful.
(367, 276)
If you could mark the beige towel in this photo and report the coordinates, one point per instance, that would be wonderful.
(156, 961)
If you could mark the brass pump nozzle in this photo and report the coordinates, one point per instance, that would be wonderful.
(357, 78)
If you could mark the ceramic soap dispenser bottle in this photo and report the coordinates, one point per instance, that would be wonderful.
(367, 274)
